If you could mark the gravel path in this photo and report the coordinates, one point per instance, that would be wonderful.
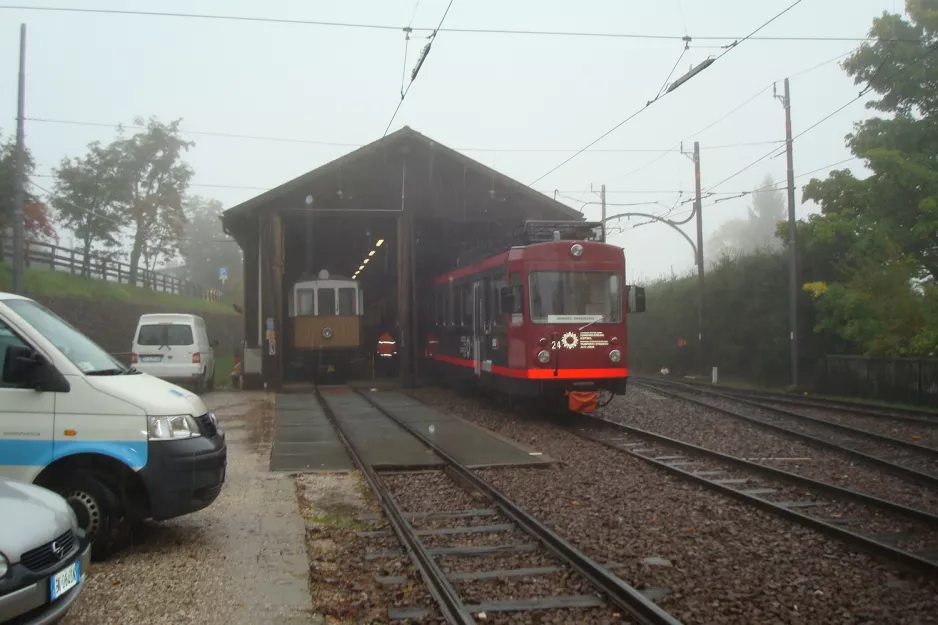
(724, 562)
(645, 409)
(241, 560)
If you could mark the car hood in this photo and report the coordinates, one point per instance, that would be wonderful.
(154, 396)
(32, 516)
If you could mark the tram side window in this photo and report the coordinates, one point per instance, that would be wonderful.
(347, 301)
(304, 301)
(467, 305)
(456, 308)
(326, 304)
(496, 302)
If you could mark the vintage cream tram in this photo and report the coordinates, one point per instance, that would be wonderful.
(326, 325)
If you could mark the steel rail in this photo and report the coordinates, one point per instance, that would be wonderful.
(881, 438)
(858, 540)
(889, 412)
(630, 600)
(452, 607)
(897, 469)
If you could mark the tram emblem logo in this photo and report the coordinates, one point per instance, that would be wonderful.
(569, 340)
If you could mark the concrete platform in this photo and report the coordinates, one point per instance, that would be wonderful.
(470, 444)
(304, 440)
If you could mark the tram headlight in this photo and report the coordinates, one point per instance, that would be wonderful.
(576, 250)
(615, 356)
(327, 333)
(543, 356)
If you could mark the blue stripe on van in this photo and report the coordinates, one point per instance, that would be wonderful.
(41, 453)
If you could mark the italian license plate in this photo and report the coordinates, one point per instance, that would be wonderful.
(151, 358)
(64, 580)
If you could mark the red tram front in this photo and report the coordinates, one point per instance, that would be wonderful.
(541, 320)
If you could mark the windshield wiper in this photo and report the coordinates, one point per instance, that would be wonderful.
(606, 316)
(114, 371)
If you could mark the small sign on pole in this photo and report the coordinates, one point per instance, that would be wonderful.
(223, 274)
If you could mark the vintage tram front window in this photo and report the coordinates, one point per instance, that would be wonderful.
(325, 307)
(304, 301)
(347, 301)
(575, 296)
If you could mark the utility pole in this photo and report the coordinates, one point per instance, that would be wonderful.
(792, 251)
(700, 260)
(602, 197)
(19, 197)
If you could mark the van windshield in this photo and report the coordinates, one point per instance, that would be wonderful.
(82, 351)
(158, 335)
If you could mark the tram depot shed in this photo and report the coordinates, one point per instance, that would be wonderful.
(428, 204)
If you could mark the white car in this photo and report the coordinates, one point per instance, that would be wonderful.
(175, 348)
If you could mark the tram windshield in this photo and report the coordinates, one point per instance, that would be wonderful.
(575, 297)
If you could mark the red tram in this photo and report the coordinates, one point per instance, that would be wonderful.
(543, 319)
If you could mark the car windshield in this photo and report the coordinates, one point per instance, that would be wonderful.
(158, 335)
(575, 297)
(82, 351)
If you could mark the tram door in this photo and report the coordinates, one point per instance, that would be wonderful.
(478, 318)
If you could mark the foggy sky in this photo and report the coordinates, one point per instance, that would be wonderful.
(485, 91)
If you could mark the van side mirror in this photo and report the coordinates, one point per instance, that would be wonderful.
(23, 367)
(635, 299)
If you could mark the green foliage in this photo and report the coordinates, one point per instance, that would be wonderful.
(206, 248)
(36, 218)
(745, 320)
(875, 245)
(90, 198)
(62, 284)
(156, 179)
(755, 232)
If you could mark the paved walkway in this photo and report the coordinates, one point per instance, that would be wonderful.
(242, 560)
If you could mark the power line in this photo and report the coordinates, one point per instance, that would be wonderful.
(46, 120)
(859, 96)
(420, 61)
(638, 112)
(391, 27)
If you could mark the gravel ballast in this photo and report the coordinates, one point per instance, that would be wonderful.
(436, 492)
(723, 561)
(707, 428)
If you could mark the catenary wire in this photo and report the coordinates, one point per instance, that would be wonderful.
(392, 27)
(639, 111)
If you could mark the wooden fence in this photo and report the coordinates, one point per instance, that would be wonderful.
(906, 380)
(67, 260)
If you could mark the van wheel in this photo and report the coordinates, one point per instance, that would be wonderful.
(97, 508)
(210, 383)
(199, 386)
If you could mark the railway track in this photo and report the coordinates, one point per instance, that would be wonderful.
(909, 415)
(501, 517)
(903, 535)
(908, 460)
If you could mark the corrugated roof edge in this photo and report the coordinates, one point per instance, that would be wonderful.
(397, 136)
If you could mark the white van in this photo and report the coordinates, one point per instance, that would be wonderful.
(116, 443)
(175, 348)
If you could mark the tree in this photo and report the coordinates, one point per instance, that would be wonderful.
(37, 222)
(900, 198)
(205, 247)
(156, 179)
(758, 230)
(90, 199)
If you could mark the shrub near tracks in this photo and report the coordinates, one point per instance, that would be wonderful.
(723, 561)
